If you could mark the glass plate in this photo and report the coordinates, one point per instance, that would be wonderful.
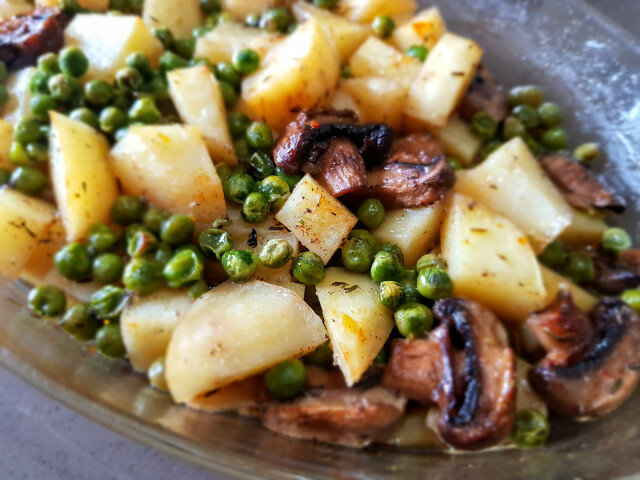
(591, 67)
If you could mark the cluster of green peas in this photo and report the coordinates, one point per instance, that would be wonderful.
(537, 122)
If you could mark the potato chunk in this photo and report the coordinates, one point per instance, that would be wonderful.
(235, 331)
(297, 73)
(11, 8)
(170, 166)
(584, 228)
(316, 218)
(357, 323)
(378, 99)
(555, 282)
(343, 100)
(106, 40)
(148, 322)
(20, 96)
(83, 183)
(425, 29)
(196, 94)
(220, 43)
(443, 79)
(239, 9)
(179, 16)
(459, 141)
(365, 11)
(490, 260)
(414, 230)
(6, 139)
(24, 222)
(99, 5)
(511, 182)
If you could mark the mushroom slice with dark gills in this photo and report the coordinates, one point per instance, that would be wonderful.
(484, 94)
(593, 360)
(340, 169)
(613, 277)
(466, 368)
(417, 149)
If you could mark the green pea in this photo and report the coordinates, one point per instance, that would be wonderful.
(47, 301)
(276, 253)
(48, 63)
(322, 355)
(73, 62)
(132, 230)
(411, 293)
(326, 3)
(345, 71)
(112, 119)
(242, 150)
(383, 26)
(229, 95)
(615, 240)
(393, 249)
(419, 52)
(513, 127)
(64, 88)
(530, 428)
(177, 229)
(550, 114)
(101, 239)
(587, 152)
(165, 36)
(38, 151)
(144, 110)
(225, 72)
(292, 180)
(391, 294)
(142, 276)
(127, 210)
(40, 105)
(238, 187)
(70, 7)
(201, 31)
(277, 19)
(98, 92)
(170, 61)
(554, 139)
(135, 6)
(215, 243)
(382, 358)
(532, 144)
(246, 61)
(107, 268)
(631, 298)
(434, 283)
(410, 274)
(224, 171)
(554, 255)
(262, 165)
(5, 175)
(366, 236)
(117, 5)
(109, 341)
(156, 375)
(431, 261)
(85, 115)
(141, 244)
(198, 289)
(193, 249)
(525, 95)
(386, 266)
(79, 323)
(484, 126)
(73, 261)
(209, 7)
(158, 86)
(238, 124)
(28, 180)
(185, 268)
(129, 79)
(275, 189)
(153, 218)
(239, 264)
(120, 100)
(4, 73)
(371, 213)
(413, 320)
(580, 267)
(45, 130)
(357, 255)
(488, 148)
(260, 136)
(107, 303)
(184, 47)
(4, 95)
(139, 61)
(26, 130)
(287, 379)
(163, 254)
(527, 115)
(39, 82)
(308, 268)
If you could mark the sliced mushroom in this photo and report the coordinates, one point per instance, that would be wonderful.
(586, 377)
(340, 169)
(484, 94)
(579, 186)
(630, 258)
(612, 277)
(349, 417)
(417, 148)
(24, 38)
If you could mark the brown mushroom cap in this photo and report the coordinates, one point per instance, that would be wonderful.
(484, 94)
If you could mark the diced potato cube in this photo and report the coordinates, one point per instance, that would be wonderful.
(511, 182)
(365, 11)
(19, 103)
(347, 35)
(459, 141)
(11, 8)
(425, 29)
(239, 9)
(554, 282)
(342, 100)
(170, 166)
(316, 218)
(98, 5)
(24, 222)
(107, 40)
(83, 184)
(246, 393)
(6, 139)
(378, 99)
(443, 79)
(584, 228)
(179, 16)
(491, 261)
(235, 331)
(40, 262)
(357, 323)
(148, 322)
(196, 94)
(297, 73)
(414, 230)
(220, 43)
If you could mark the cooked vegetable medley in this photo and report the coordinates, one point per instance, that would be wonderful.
(327, 211)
